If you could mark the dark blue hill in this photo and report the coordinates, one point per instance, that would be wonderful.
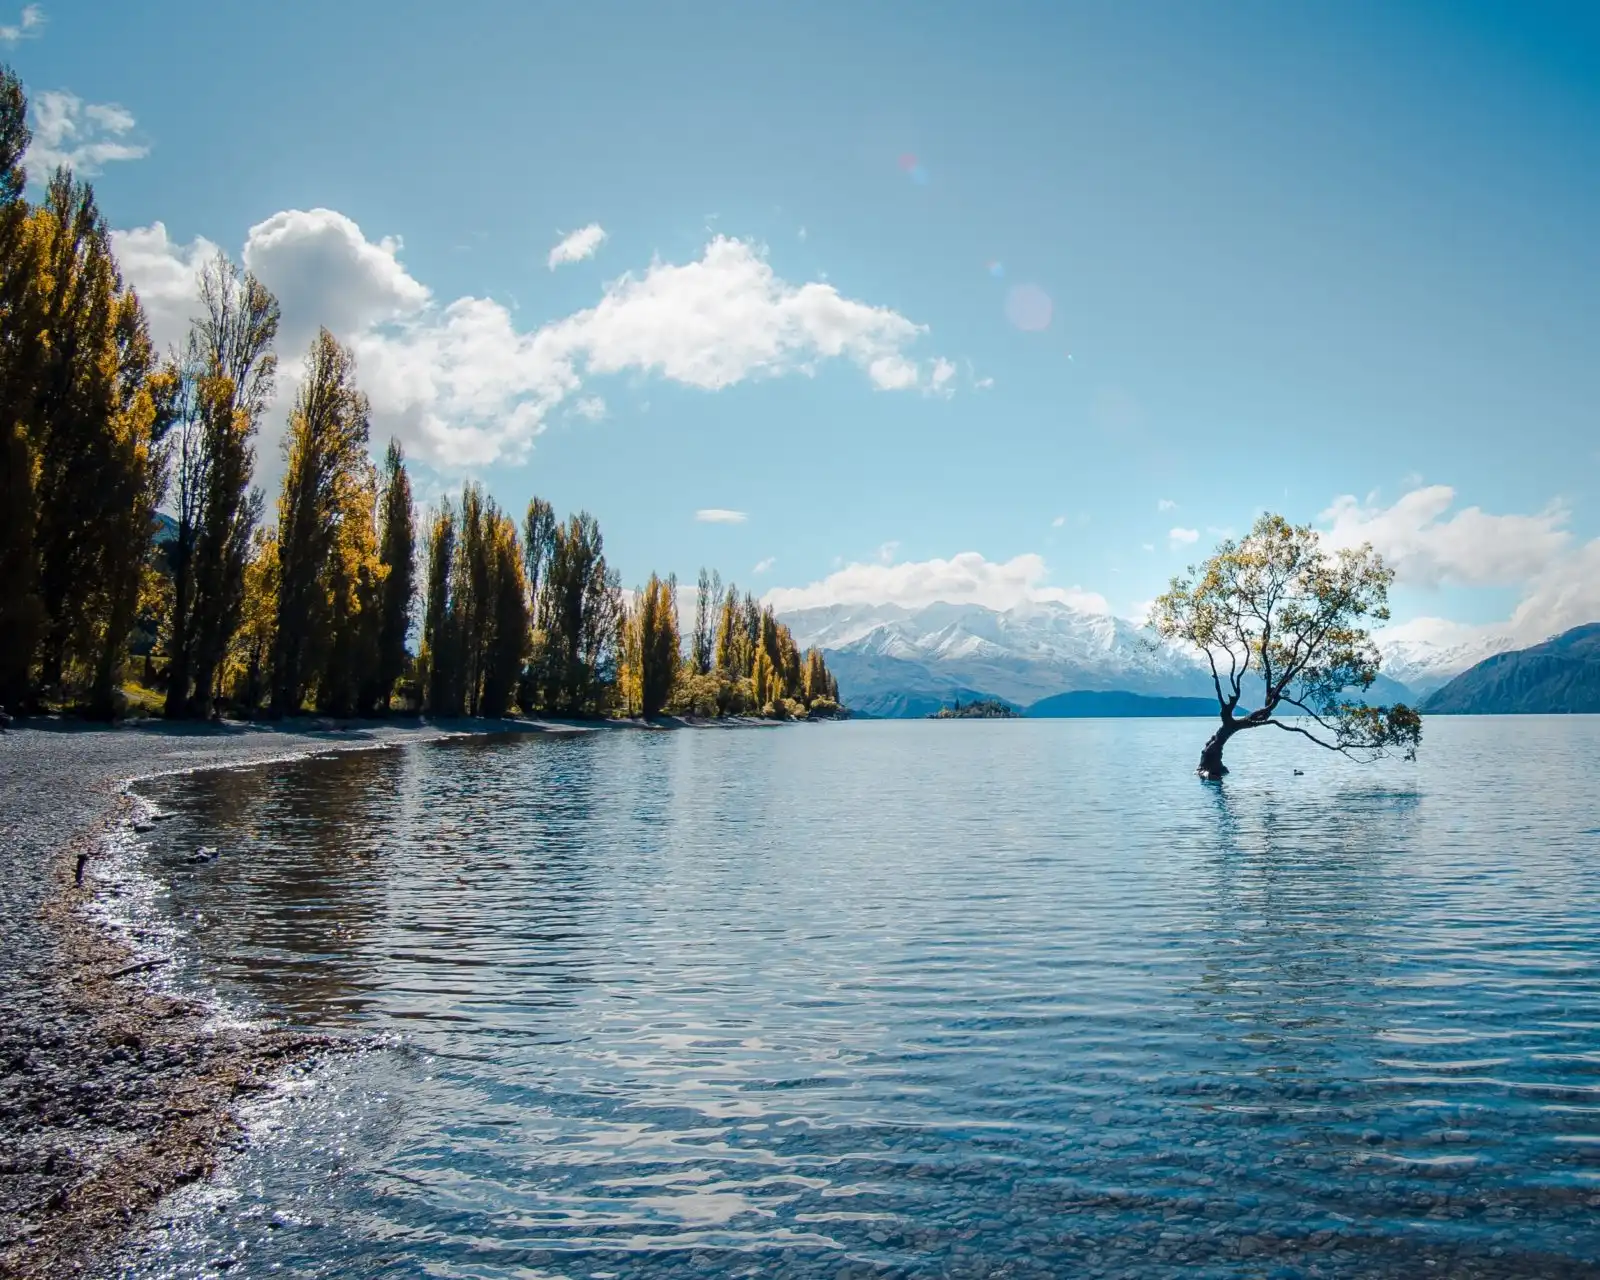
(1559, 677)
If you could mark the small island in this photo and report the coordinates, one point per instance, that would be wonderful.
(981, 709)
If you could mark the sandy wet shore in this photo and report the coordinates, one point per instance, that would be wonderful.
(111, 1093)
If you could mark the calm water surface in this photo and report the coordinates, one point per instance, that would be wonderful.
(906, 999)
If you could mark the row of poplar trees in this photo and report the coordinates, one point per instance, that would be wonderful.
(99, 434)
(538, 622)
(740, 659)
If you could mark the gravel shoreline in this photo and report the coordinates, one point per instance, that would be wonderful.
(112, 1094)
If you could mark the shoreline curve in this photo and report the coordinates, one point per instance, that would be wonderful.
(114, 1093)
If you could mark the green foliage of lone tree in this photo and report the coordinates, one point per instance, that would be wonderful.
(1280, 607)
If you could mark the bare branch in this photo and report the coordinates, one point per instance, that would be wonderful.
(1306, 733)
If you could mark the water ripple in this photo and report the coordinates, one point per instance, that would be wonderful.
(1015, 999)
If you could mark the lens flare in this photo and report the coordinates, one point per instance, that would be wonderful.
(1029, 308)
(913, 169)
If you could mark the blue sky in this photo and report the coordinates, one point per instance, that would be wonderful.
(1290, 253)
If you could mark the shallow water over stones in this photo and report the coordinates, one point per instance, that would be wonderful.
(906, 999)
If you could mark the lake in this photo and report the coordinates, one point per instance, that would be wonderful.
(1016, 999)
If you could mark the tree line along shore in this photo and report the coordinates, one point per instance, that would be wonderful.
(215, 608)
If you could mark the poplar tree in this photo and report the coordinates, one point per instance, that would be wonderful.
(228, 376)
(729, 630)
(538, 540)
(21, 611)
(83, 413)
(580, 606)
(816, 676)
(436, 658)
(324, 486)
(397, 542)
(143, 405)
(251, 651)
(651, 649)
(750, 615)
(707, 598)
(506, 644)
(470, 600)
(93, 410)
(350, 594)
(764, 681)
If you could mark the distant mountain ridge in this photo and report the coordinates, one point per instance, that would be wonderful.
(894, 661)
(1424, 665)
(1089, 703)
(1019, 655)
(1559, 677)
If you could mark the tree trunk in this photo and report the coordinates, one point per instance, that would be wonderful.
(103, 698)
(205, 677)
(1211, 767)
(177, 705)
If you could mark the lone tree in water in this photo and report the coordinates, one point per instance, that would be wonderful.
(1279, 608)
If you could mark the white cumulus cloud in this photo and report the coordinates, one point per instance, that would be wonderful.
(1429, 544)
(463, 386)
(590, 408)
(728, 317)
(1183, 537)
(577, 245)
(967, 578)
(720, 515)
(166, 275)
(1427, 547)
(84, 136)
(325, 272)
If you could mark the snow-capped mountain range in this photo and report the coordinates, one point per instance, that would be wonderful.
(893, 660)
(1426, 665)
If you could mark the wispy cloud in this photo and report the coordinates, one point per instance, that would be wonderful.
(83, 136)
(27, 27)
(1058, 522)
(577, 245)
(1166, 504)
(1183, 537)
(763, 565)
(590, 408)
(720, 515)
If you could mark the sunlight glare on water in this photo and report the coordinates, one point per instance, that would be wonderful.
(907, 999)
